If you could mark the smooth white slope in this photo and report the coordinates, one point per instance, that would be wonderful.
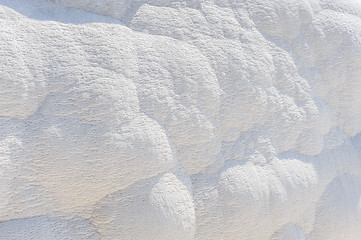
(180, 119)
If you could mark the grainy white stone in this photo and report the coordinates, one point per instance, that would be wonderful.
(180, 119)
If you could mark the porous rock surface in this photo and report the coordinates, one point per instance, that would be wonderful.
(180, 119)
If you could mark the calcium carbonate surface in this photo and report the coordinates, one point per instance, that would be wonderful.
(180, 119)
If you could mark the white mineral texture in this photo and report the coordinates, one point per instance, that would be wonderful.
(180, 120)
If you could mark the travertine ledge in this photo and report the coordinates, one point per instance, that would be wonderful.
(180, 119)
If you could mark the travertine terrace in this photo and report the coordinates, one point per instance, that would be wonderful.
(180, 119)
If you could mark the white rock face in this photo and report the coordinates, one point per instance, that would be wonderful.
(180, 119)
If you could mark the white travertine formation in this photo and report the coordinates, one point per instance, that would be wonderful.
(180, 119)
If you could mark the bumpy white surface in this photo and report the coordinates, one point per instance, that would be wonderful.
(180, 119)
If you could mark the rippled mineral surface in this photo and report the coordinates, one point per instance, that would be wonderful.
(180, 119)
